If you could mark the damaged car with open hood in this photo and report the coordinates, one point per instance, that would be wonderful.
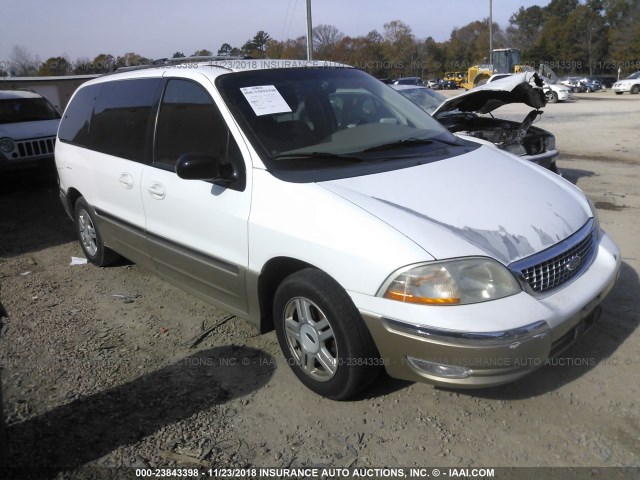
(471, 114)
(311, 198)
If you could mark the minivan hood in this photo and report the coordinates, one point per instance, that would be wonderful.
(520, 88)
(484, 203)
(27, 130)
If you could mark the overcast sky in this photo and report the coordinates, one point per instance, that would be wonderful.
(158, 28)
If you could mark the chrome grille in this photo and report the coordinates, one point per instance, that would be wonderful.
(554, 267)
(36, 148)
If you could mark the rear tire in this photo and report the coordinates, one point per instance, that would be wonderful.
(89, 236)
(323, 336)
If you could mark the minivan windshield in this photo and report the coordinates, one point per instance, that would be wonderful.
(300, 118)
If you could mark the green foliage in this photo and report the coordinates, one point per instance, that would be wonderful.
(257, 45)
(225, 49)
(560, 8)
(102, 63)
(470, 44)
(54, 66)
(131, 59)
(525, 26)
(595, 36)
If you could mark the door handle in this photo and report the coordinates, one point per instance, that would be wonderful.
(126, 180)
(157, 191)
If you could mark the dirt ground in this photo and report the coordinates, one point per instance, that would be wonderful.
(110, 367)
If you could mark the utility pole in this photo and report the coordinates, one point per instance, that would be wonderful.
(309, 32)
(491, 32)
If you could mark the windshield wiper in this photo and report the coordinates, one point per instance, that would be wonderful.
(325, 155)
(405, 142)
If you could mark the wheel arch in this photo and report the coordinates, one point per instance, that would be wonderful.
(271, 276)
(71, 198)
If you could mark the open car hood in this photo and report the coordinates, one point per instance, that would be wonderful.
(519, 88)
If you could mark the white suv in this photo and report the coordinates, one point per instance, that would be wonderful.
(313, 199)
(28, 125)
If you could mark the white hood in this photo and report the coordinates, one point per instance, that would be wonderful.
(28, 130)
(483, 203)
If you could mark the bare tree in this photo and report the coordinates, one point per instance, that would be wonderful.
(325, 39)
(23, 64)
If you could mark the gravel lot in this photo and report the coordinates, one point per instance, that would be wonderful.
(113, 367)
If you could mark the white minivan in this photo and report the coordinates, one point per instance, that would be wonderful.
(311, 198)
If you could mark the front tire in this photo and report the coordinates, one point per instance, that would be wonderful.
(323, 336)
(89, 236)
(635, 89)
(552, 97)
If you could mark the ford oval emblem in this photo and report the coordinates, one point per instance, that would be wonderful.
(574, 263)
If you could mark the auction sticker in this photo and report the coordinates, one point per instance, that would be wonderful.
(265, 100)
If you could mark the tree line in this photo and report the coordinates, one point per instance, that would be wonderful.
(570, 36)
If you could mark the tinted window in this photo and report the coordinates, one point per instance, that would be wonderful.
(189, 122)
(26, 110)
(74, 127)
(123, 118)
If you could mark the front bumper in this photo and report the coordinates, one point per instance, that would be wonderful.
(564, 95)
(15, 165)
(527, 331)
(622, 88)
(546, 159)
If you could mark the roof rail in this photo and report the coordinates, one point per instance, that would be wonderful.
(200, 58)
(176, 61)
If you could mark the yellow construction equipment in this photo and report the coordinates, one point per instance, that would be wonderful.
(458, 77)
(504, 60)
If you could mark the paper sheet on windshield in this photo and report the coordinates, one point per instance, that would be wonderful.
(265, 100)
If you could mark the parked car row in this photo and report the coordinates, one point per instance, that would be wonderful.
(584, 84)
(631, 84)
(436, 84)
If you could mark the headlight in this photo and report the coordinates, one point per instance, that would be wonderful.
(6, 145)
(515, 149)
(453, 282)
(550, 142)
(596, 220)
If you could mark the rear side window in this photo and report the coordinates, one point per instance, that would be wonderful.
(74, 127)
(123, 118)
(190, 122)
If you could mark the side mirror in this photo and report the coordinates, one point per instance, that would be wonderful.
(202, 166)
